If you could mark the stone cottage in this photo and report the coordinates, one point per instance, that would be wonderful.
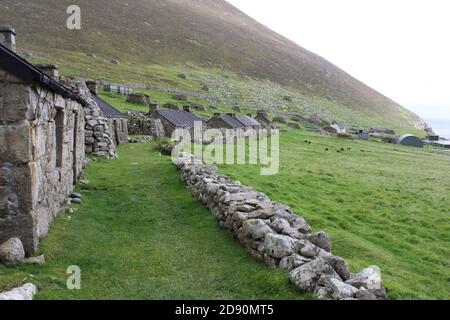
(249, 122)
(117, 121)
(227, 122)
(176, 119)
(41, 146)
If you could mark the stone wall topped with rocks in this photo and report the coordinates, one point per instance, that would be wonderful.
(273, 234)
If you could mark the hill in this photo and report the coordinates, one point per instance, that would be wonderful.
(206, 37)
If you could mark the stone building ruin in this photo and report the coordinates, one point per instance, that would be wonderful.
(42, 147)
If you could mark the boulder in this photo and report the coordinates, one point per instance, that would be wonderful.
(364, 294)
(321, 239)
(256, 228)
(280, 246)
(12, 251)
(306, 276)
(26, 292)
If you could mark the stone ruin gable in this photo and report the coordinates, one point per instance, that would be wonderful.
(140, 123)
(273, 234)
(118, 129)
(41, 156)
(98, 139)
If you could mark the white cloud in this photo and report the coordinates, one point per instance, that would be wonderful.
(400, 48)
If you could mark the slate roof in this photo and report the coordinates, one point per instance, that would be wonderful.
(13, 63)
(179, 118)
(248, 121)
(108, 110)
(232, 121)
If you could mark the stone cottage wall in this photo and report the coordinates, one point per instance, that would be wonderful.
(140, 123)
(41, 156)
(118, 129)
(273, 234)
(98, 139)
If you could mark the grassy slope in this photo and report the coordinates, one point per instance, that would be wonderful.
(140, 235)
(388, 206)
(152, 39)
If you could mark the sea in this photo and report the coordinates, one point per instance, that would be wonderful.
(440, 126)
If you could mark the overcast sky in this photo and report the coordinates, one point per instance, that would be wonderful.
(398, 47)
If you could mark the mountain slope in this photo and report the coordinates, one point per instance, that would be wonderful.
(208, 33)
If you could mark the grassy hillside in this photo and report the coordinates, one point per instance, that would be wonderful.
(382, 204)
(154, 40)
(139, 234)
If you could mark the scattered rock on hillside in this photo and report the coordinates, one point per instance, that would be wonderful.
(180, 97)
(115, 61)
(39, 260)
(293, 125)
(171, 106)
(26, 292)
(182, 76)
(12, 251)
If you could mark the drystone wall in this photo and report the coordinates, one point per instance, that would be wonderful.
(273, 234)
(98, 139)
(141, 123)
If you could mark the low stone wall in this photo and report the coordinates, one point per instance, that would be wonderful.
(273, 234)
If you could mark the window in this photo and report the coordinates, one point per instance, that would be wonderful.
(59, 130)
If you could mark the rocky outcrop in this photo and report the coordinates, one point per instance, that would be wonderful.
(273, 234)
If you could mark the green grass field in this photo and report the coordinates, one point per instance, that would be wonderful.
(382, 204)
(139, 234)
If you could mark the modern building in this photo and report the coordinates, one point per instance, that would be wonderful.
(411, 140)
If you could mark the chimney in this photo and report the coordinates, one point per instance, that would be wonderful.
(8, 37)
(231, 115)
(50, 70)
(152, 106)
(92, 86)
(187, 108)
